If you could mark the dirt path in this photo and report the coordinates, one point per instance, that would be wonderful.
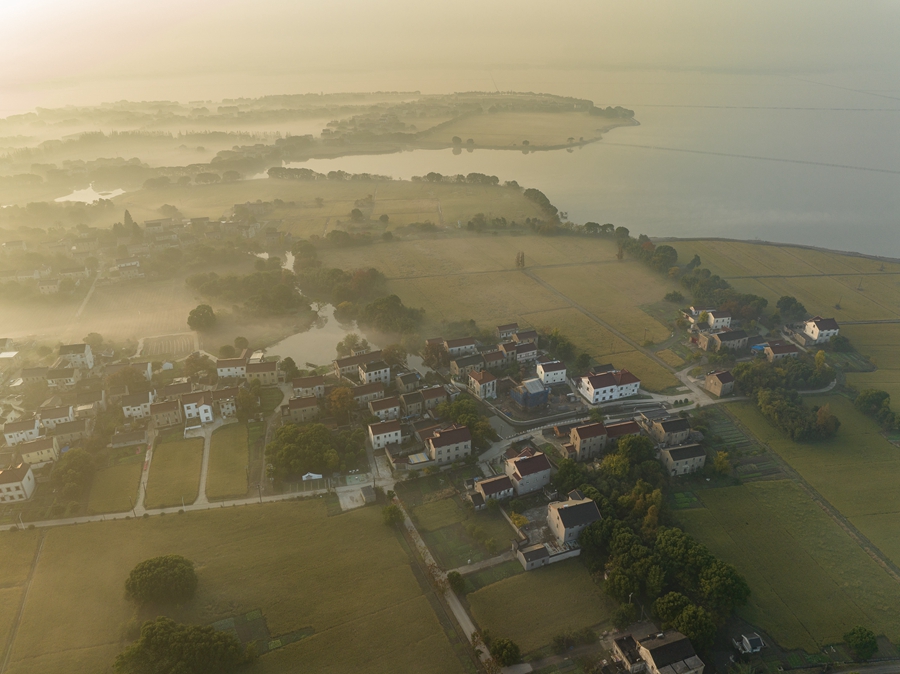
(507, 556)
(15, 628)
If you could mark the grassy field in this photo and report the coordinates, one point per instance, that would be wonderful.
(857, 471)
(269, 399)
(879, 342)
(810, 581)
(531, 608)
(114, 489)
(450, 542)
(437, 514)
(174, 473)
(368, 611)
(16, 555)
(228, 457)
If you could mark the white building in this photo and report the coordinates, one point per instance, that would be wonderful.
(529, 472)
(39, 452)
(450, 444)
(551, 373)
(77, 355)
(386, 408)
(600, 388)
(226, 399)
(137, 405)
(21, 431)
(567, 519)
(483, 385)
(819, 330)
(231, 367)
(198, 406)
(53, 416)
(384, 433)
(459, 347)
(718, 320)
(16, 484)
(374, 371)
(526, 352)
(683, 460)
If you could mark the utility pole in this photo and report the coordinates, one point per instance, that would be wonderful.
(134, 514)
(259, 490)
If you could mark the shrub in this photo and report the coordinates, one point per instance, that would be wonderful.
(505, 651)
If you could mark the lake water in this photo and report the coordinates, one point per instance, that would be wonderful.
(89, 195)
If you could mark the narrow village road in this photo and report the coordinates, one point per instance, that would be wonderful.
(207, 433)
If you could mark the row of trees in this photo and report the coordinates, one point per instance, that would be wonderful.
(300, 449)
(271, 292)
(785, 410)
(877, 404)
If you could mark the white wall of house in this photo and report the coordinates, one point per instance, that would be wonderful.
(381, 440)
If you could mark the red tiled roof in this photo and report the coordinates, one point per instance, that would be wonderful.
(590, 431)
(482, 377)
(495, 485)
(450, 436)
(384, 427)
(605, 380)
(302, 403)
(530, 465)
(553, 366)
(783, 348)
(624, 377)
(622, 429)
(384, 403)
(462, 341)
(724, 376)
(366, 389)
(433, 392)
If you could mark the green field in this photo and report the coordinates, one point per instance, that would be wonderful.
(269, 399)
(451, 543)
(810, 581)
(438, 514)
(114, 489)
(879, 342)
(174, 473)
(857, 471)
(531, 608)
(287, 560)
(228, 457)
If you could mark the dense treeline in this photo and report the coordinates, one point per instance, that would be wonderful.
(300, 449)
(387, 314)
(644, 557)
(789, 373)
(266, 292)
(334, 285)
(786, 411)
(877, 404)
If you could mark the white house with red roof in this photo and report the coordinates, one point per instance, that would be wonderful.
(551, 372)
(608, 386)
(819, 330)
(530, 471)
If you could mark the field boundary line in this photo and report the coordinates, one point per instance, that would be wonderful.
(15, 628)
(836, 515)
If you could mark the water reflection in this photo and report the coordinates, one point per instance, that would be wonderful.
(89, 195)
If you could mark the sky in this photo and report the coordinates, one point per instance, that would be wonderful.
(88, 51)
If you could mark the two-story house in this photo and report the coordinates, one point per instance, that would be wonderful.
(529, 472)
(77, 355)
(567, 519)
(819, 330)
(386, 408)
(483, 385)
(302, 410)
(16, 432)
(385, 433)
(374, 371)
(137, 405)
(551, 372)
(309, 386)
(265, 372)
(449, 444)
(684, 459)
(588, 440)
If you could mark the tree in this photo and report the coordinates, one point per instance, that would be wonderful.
(583, 362)
(394, 355)
(167, 647)
(342, 403)
(128, 221)
(356, 215)
(247, 404)
(622, 232)
(703, 317)
(820, 360)
(505, 651)
(592, 227)
(840, 344)
(674, 296)
(624, 615)
(170, 579)
(696, 623)
(722, 463)
(391, 515)
(241, 343)
(863, 642)
(456, 581)
(351, 344)
(384, 218)
(73, 473)
(94, 340)
(226, 351)
(723, 587)
(202, 318)
(290, 369)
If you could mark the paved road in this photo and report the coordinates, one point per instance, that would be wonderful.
(507, 556)
(206, 433)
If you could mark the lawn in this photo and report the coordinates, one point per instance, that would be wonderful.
(288, 560)
(857, 471)
(228, 457)
(880, 343)
(114, 489)
(810, 581)
(531, 608)
(270, 398)
(453, 546)
(438, 514)
(174, 473)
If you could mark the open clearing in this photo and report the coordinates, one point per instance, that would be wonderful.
(531, 608)
(857, 471)
(368, 611)
(880, 342)
(174, 473)
(228, 457)
(810, 581)
(459, 537)
(114, 490)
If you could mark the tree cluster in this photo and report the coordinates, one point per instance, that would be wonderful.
(786, 411)
(386, 314)
(790, 309)
(337, 286)
(270, 292)
(788, 373)
(300, 449)
(877, 404)
(170, 579)
(465, 412)
(73, 473)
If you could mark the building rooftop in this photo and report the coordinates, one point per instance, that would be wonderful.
(230, 362)
(482, 378)
(225, 393)
(534, 553)
(55, 412)
(529, 465)
(19, 426)
(667, 647)
(72, 349)
(576, 513)
(508, 327)
(456, 343)
(136, 399)
(675, 425)
(730, 335)
(265, 366)
(384, 403)
(824, 323)
(590, 431)
(433, 392)
(495, 485)
(780, 348)
(533, 386)
(553, 366)
(308, 382)
(723, 376)
(374, 366)
(392, 426)
(196, 398)
(16, 474)
(685, 452)
(164, 407)
(450, 436)
(622, 429)
(302, 403)
(367, 389)
(349, 361)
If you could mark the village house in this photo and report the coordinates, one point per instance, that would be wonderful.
(434, 396)
(173, 391)
(39, 452)
(74, 273)
(526, 352)
(16, 432)
(63, 378)
(494, 360)
(449, 444)
(819, 330)
(32, 375)
(198, 405)
(507, 331)
(301, 410)
(129, 267)
(460, 367)
(128, 439)
(529, 472)
(386, 408)
(143, 368)
(49, 286)
(266, 373)
(406, 382)
(551, 372)
(137, 405)
(497, 488)
(51, 416)
(71, 431)
(588, 441)
(530, 394)
(309, 386)
(684, 459)
(726, 339)
(669, 652)
(526, 337)
(483, 385)
(227, 368)
(567, 519)
(226, 400)
(374, 371)
(16, 484)
(608, 386)
(384, 433)
(166, 413)
(718, 320)
(460, 347)
(777, 350)
(413, 404)
(350, 364)
(365, 393)
(670, 432)
(508, 349)
(9, 360)
(720, 383)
